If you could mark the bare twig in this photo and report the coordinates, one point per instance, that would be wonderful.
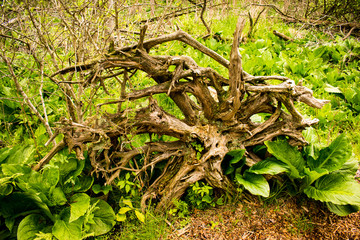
(26, 98)
(202, 17)
(283, 36)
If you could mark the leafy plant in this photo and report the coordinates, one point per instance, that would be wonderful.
(326, 175)
(126, 206)
(36, 200)
(252, 181)
(200, 196)
(180, 209)
(126, 184)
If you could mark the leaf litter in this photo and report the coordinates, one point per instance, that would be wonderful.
(284, 218)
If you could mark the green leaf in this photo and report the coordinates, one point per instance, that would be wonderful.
(335, 188)
(104, 189)
(289, 155)
(313, 175)
(13, 170)
(120, 217)
(4, 153)
(30, 226)
(236, 159)
(127, 188)
(140, 216)
(79, 184)
(17, 203)
(334, 156)
(310, 135)
(350, 167)
(50, 176)
(80, 203)
(342, 210)
(254, 183)
(269, 166)
(57, 196)
(331, 89)
(67, 231)
(128, 202)
(103, 217)
(22, 154)
(236, 155)
(5, 189)
(124, 210)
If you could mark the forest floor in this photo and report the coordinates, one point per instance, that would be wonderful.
(284, 218)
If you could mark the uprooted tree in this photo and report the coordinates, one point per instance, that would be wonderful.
(216, 115)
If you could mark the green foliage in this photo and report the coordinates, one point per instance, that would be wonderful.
(128, 186)
(328, 178)
(325, 174)
(56, 202)
(126, 206)
(199, 195)
(180, 209)
(36, 200)
(254, 183)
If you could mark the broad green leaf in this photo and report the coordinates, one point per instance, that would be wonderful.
(334, 156)
(22, 154)
(30, 226)
(85, 183)
(289, 155)
(254, 183)
(140, 216)
(79, 168)
(313, 175)
(5, 189)
(80, 203)
(236, 155)
(4, 153)
(342, 210)
(335, 188)
(124, 210)
(10, 222)
(310, 135)
(104, 189)
(128, 202)
(16, 204)
(269, 166)
(57, 196)
(67, 164)
(79, 184)
(350, 167)
(103, 217)
(120, 217)
(235, 158)
(50, 176)
(67, 231)
(331, 89)
(12, 170)
(63, 229)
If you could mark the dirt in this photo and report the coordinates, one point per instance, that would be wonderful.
(284, 218)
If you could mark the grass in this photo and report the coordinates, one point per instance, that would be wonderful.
(156, 227)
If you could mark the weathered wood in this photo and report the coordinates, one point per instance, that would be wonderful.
(218, 121)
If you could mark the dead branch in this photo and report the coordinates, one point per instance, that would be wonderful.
(202, 17)
(215, 113)
(283, 36)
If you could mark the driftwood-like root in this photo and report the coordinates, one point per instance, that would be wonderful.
(216, 117)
